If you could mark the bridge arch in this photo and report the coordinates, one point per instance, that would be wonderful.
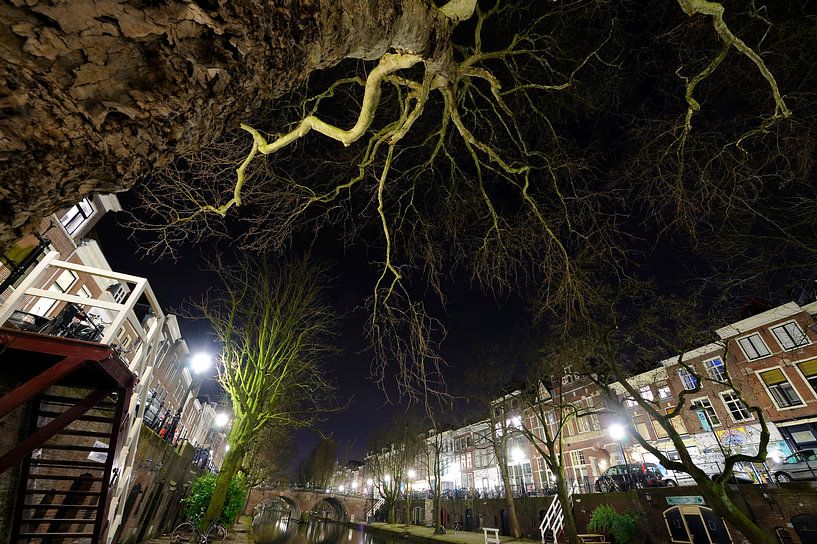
(347, 507)
(336, 508)
(294, 508)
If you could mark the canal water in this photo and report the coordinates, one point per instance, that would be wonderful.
(273, 526)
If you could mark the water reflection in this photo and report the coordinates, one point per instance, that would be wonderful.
(273, 525)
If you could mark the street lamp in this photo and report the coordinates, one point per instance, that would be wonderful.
(410, 474)
(199, 363)
(222, 419)
(618, 433)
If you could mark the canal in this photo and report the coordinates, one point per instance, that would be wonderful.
(273, 526)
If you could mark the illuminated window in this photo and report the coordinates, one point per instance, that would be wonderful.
(689, 381)
(737, 409)
(77, 216)
(716, 369)
(706, 406)
(809, 370)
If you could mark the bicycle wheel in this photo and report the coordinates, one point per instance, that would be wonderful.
(186, 532)
(216, 534)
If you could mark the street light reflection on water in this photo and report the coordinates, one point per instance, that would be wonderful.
(272, 525)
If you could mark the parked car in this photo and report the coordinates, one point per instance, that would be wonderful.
(800, 465)
(739, 476)
(616, 477)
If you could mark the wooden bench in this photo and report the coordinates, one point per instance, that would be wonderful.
(493, 539)
(592, 539)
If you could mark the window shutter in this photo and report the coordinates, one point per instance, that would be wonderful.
(773, 377)
(809, 368)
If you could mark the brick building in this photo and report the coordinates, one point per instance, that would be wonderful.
(58, 284)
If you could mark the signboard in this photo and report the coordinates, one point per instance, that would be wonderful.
(686, 499)
(98, 456)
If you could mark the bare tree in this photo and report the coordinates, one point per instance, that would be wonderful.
(274, 329)
(393, 453)
(547, 416)
(493, 385)
(268, 458)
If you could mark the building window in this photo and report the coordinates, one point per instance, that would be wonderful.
(77, 216)
(737, 409)
(646, 393)
(781, 391)
(61, 284)
(790, 335)
(716, 369)
(706, 406)
(689, 381)
(568, 375)
(809, 370)
(664, 392)
(754, 347)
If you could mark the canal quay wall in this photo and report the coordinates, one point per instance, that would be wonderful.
(162, 476)
(772, 506)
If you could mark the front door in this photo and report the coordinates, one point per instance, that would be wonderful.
(692, 524)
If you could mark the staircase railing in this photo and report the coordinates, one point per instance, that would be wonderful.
(553, 521)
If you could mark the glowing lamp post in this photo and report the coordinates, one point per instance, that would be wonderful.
(617, 432)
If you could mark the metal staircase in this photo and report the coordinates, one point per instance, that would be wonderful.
(552, 524)
(63, 489)
(375, 507)
(137, 359)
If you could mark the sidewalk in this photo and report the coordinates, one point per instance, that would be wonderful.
(240, 533)
(450, 537)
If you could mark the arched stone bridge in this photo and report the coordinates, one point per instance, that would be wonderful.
(300, 501)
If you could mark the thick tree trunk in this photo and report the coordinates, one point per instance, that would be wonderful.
(237, 439)
(564, 498)
(510, 503)
(229, 468)
(96, 94)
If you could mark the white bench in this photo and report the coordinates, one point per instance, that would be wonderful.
(492, 539)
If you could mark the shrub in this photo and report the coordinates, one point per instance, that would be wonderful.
(195, 505)
(622, 527)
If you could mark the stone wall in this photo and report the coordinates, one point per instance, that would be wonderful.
(162, 477)
(771, 506)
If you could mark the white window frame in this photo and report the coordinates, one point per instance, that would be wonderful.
(802, 404)
(729, 410)
(650, 396)
(684, 372)
(709, 368)
(669, 391)
(698, 399)
(78, 210)
(744, 337)
(805, 378)
(783, 325)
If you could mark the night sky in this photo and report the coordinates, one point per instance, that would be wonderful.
(619, 121)
(470, 317)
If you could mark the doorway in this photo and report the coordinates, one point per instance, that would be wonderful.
(806, 527)
(692, 524)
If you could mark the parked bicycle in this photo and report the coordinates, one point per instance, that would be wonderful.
(188, 532)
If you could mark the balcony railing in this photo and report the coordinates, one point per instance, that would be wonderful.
(123, 314)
